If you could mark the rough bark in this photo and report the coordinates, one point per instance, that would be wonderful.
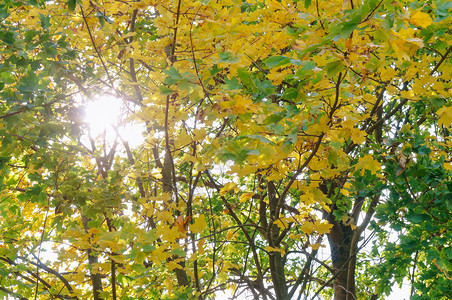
(340, 240)
(276, 260)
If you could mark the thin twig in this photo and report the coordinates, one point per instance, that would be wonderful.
(99, 55)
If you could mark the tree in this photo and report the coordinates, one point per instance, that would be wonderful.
(274, 129)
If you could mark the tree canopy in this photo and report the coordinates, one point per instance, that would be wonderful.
(291, 149)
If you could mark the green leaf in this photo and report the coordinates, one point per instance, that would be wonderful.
(290, 94)
(245, 77)
(29, 83)
(45, 21)
(332, 157)
(334, 67)
(232, 84)
(272, 119)
(178, 251)
(308, 65)
(165, 90)
(227, 57)
(34, 190)
(7, 37)
(347, 29)
(214, 70)
(443, 9)
(277, 61)
(71, 4)
(139, 268)
(34, 177)
(307, 3)
(173, 75)
(262, 139)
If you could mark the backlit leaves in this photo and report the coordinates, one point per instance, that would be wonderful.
(268, 124)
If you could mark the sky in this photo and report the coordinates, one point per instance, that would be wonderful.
(104, 113)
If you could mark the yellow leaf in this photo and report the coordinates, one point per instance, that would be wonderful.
(199, 224)
(308, 199)
(93, 230)
(281, 223)
(448, 166)
(299, 45)
(369, 163)
(118, 259)
(325, 207)
(405, 128)
(315, 246)
(201, 246)
(318, 164)
(242, 104)
(167, 233)
(245, 197)
(277, 76)
(167, 283)
(322, 227)
(166, 216)
(295, 236)
(407, 94)
(358, 136)
(227, 187)
(174, 265)
(420, 19)
(230, 235)
(445, 116)
(307, 227)
(199, 134)
(190, 158)
(388, 74)
(159, 255)
(274, 249)
(242, 170)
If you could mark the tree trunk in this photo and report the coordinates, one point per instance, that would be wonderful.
(340, 240)
(96, 280)
(275, 259)
(278, 276)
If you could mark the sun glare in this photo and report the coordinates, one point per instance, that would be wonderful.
(103, 113)
(107, 116)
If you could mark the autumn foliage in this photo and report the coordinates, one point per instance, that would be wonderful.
(291, 149)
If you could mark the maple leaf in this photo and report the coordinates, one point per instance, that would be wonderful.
(322, 227)
(274, 97)
(182, 223)
(307, 227)
(199, 225)
(367, 162)
(246, 196)
(445, 116)
(420, 19)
